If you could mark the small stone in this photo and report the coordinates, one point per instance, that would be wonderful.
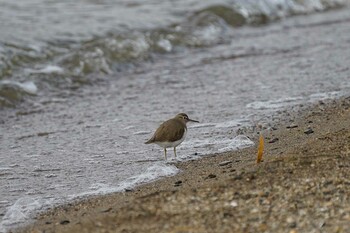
(227, 215)
(250, 177)
(128, 190)
(178, 183)
(211, 176)
(322, 224)
(224, 163)
(292, 126)
(291, 222)
(106, 210)
(64, 222)
(233, 204)
(308, 131)
(273, 140)
(41, 134)
(99, 224)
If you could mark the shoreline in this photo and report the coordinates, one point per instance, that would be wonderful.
(301, 185)
(65, 144)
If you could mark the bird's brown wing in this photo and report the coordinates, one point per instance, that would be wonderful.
(170, 131)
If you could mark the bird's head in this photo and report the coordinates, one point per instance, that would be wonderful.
(184, 118)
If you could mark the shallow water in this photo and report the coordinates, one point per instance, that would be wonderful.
(61, 140)
(63, 45)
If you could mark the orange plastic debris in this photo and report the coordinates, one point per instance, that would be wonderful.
(260, 149)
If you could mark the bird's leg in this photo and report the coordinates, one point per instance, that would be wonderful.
(175, 151)
(165, 153)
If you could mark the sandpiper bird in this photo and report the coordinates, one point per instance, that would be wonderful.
(171, 132)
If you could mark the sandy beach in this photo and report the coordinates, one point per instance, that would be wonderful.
(302, 185)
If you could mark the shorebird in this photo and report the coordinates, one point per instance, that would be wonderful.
(171, 132)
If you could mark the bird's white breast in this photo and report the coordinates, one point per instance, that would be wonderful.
(172, 144)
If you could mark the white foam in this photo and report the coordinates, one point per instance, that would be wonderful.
(201, 125)
(283, 8)
(5, 168)
(142, 132)
(49, 69)
(227, 124)
(28, 87)
(274, 104)
(199, 143)
(284, 102)
(239, 142)
(152, 173)
(325, 95)
(129, 127)
(20, 212)
(210, 33)
(165, 44)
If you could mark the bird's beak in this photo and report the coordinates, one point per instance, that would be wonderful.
(193, 120)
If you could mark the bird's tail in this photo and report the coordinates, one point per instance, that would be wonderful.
(150, 141)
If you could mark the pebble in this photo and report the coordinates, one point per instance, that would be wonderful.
(308, 131)
(273, 140)
(64, 222)
(292, 126)
(233, 204)
(291, 222)
(224, 163)
(293, 225)
(211, 176)
(41, 134)
(106, 210)
(178, 183)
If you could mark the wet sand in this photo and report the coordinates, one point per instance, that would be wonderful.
(302, 185)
